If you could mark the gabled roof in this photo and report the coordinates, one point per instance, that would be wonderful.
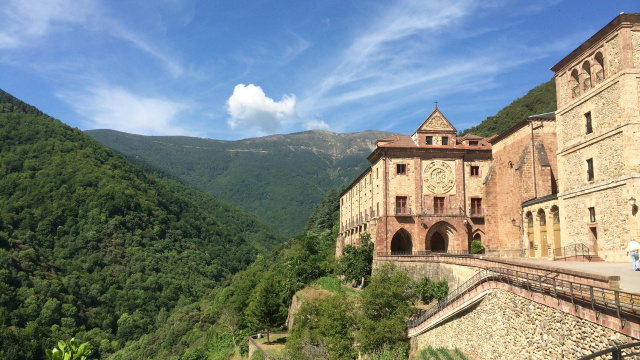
(436, 122)
(396, 141)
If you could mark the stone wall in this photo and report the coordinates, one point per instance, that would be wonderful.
(506, 326)
(611, 227)
(511, 182)
(455, 275)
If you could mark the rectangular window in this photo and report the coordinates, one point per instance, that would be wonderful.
(473, 143)
(476, 207)
(377, 177)
(438, 205)
(475, 170)
(445, 140)
(589, 169)
(401, 205)
(587, 118)
(429, 140)
(592, 214)
(401, 169)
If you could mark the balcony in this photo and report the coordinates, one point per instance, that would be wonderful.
(442, 212)
(403, 211)
(476, 213)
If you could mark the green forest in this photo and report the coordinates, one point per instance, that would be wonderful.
(279, 178)
(91, 246)
(539, 100)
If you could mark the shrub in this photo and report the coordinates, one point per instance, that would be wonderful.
(477, 247)
(429, 290)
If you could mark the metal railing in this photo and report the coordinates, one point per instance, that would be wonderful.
(616, 352)
(614, 302)
(442, 212)
(404, 211)
(575, 250)
(423, 252)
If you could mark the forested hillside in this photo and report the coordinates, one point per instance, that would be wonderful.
(539, 100)
(279, 178)
(91, 246)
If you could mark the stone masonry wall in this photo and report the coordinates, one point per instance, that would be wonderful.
(605, 112)
(511, 183)
(612, 222)
(506, 326)
(455, 275)
(608, 162)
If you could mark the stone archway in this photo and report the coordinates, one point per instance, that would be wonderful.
(401, 242)
(440, 236)
(438, 242)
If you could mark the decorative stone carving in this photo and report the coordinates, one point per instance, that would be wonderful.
(438, 177)
(437, 123)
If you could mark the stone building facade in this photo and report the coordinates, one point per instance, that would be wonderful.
(552, 182)
(422, 192)
(521, 189)
(598, 127)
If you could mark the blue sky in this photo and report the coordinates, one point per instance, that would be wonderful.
(242, 68)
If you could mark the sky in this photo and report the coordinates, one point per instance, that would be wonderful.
(235, 69)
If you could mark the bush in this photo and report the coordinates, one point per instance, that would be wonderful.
(477, 247)
(429, 290)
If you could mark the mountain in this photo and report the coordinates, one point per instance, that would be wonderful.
(539, 100)
(279, 178)
(93, 247)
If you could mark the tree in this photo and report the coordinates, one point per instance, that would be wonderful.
(324, 328)
(265, 309)
(69, 350)
(356, 262)
(230, 321)
(385, 308)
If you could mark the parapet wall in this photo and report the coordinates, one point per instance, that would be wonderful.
(455, 274)
(507, 326)
(434, 267)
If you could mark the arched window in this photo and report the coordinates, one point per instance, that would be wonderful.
(529, 218)
(574, 84)
(556, 214)
(586, 82)
(599, 67)
(542, 217)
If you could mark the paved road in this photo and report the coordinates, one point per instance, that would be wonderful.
(629, 279)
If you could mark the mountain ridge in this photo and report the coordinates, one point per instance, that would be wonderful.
(279, 178)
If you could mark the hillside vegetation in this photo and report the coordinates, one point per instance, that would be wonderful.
(91, 246)
(279, 178)
(539, 100)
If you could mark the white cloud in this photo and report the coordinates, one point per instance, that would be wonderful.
(116, 108)
(315, 125)
(249, 107)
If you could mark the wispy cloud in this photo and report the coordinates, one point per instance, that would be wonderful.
(405, 54)
(24, 21)
(109, 107)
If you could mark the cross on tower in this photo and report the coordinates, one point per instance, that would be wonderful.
(436, 102)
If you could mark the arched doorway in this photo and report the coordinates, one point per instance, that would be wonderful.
(401, 243)
(557, 242)
(438, 242)
(542, 217)
(532, 249)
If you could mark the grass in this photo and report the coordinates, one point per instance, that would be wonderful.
(276, 346)
(334, 285)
